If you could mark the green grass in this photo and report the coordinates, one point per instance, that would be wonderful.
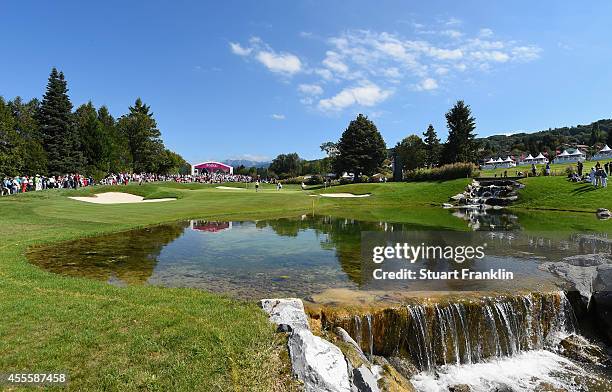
(556, 169)
(160, 339)
(557, 193)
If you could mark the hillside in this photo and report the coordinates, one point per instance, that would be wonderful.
(548, 140)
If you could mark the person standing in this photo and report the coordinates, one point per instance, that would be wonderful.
(533, 170)
(547, 169)
(580, 167)
(257, 186)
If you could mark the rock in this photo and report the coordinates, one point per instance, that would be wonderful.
(404, 366)
(602, 308)
(288, 311)
(603, 213)
(364, 380)
(317, 363)
(284, 328)
(459, 388)
(548, 387)
(582, 271)
(345, 337)
(578, 348)
(391, 380)
(458, 197)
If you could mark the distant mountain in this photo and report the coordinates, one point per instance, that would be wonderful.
(246, 163)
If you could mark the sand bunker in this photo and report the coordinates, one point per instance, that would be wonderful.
(231, 188)
(117, 198)
(348, 195)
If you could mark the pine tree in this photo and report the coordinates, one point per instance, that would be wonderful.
(95, 144)
(10, 143)
(361, 148)
(26, 125)
(461, 145)
(143, 137)
(119, 158)
(60, 139)
(432, 147)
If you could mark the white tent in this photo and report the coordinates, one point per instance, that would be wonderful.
(563, 154)
(508, 160)
(490, 161)
(566, 157)
(499, 160)
(604, 153)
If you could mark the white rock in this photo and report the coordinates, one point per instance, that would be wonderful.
(364, 380)
(289, 311)
(317, 363)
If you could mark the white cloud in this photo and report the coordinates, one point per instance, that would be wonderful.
(285, 63)
(384, 62)
(526, 53)
(452, 33)
(310, 89)
(324, 73)
(239, 50)
(280, 62)
(485, 33)
(367, 94)
(277, 116)
(442, 70)
(334, 63)
(453, 21)
(427, 84)
(493, 55)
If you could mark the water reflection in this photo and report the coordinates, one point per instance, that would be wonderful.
(301, 256)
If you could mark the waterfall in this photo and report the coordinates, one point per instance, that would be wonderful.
(465, 331)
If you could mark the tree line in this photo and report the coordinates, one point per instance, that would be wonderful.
(549, 141)
(47, 137)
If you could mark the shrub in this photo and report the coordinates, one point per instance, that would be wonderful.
(446, 172)
(293, 180)
(344, 181)
(314, 180)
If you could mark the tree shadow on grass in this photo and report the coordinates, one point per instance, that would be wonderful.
(583, 189)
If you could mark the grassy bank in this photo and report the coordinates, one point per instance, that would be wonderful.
(150, 338)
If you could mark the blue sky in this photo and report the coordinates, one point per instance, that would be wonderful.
(254, 79)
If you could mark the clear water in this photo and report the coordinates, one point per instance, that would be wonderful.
(301, 257)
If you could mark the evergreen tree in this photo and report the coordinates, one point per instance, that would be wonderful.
(432, 147)
(94, 141)
(119, 157)
(26, 125)
(143, 138)
(460, 145)
(412, 152)
(361, 148)
(10, 143)
(60, 140)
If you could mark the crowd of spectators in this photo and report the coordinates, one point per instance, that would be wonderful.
(21, 184)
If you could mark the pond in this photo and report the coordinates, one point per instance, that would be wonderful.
(317, 258)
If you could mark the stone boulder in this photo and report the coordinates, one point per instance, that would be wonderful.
(581, 270)
(459, 388)
(286, 312)
(578, 348)
(603, 213)
(364, 380)
(602, 308)
(319, 364)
